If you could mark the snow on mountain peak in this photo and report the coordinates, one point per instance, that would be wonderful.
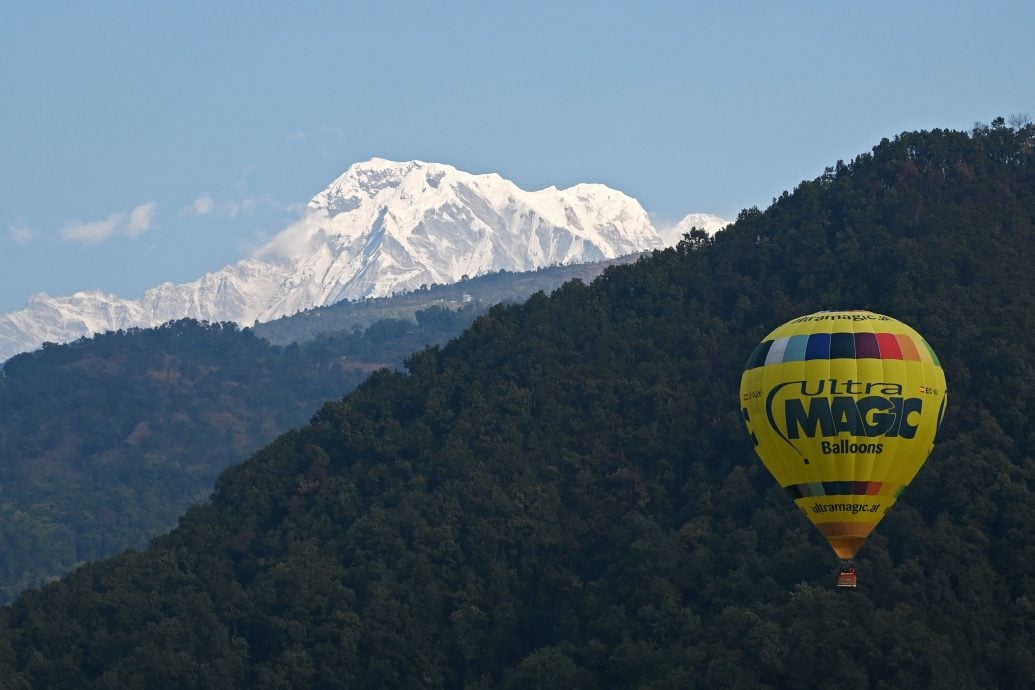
(702, 221)
(380, 227)
(377, 178)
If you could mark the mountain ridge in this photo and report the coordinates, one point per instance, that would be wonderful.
(484, 291)
(380, 227)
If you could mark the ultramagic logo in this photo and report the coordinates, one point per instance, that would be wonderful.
(831, 407)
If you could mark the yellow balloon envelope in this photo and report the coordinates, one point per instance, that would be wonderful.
(842, 408)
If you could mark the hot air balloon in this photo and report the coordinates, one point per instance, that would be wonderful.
(842, 408)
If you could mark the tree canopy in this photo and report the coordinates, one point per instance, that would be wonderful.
(105, 442)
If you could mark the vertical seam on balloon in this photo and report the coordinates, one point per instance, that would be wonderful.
(881, 474)
(855, 456)
(922, 392)
(830, 361)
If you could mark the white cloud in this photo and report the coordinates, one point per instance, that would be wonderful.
(20, 234)
(239, 208)
(132, 223)
(250, 246)
(206, 205)
(140, 219)
(202, 206)
(93, 232)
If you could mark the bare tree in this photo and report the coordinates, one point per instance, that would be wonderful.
(1019, 120)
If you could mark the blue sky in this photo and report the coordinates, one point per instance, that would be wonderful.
(142, 142)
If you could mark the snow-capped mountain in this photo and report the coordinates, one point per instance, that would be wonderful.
(381, 227)
(702, 221)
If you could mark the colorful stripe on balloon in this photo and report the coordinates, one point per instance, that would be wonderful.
(802, 348)
(844, 488)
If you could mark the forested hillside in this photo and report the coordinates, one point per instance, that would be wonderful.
(106, 441)
(565, 496)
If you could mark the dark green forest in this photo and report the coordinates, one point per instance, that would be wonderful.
(565, 496)
(105, 442)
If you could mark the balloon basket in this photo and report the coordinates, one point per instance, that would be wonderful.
(846, 578)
